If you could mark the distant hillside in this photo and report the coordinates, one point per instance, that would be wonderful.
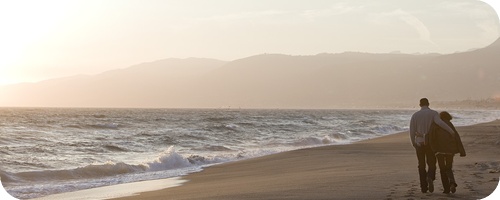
(355, 79)
(160, 83)
(276, 81)
(484, 104)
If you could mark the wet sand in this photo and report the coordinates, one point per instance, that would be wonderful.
(381, 168)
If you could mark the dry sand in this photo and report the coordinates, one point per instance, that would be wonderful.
(381, 168)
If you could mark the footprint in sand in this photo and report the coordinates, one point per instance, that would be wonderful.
(403, 191)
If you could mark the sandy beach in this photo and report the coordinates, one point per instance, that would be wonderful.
(381, 168)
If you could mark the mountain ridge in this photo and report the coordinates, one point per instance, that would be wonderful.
(350, 79)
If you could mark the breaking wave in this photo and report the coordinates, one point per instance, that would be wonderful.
(169, 160)
(42, 149)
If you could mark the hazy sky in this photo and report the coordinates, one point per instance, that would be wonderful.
(47, 39)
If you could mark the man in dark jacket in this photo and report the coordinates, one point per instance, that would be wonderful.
(445, 146)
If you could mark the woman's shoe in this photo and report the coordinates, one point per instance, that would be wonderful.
(430, 183)
(453, 188)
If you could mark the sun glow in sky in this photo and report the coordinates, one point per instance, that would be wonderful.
(25, 26)
(55, 38)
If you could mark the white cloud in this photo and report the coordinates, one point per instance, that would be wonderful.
(340, 8)
(485, 21)
(415, 23)
(490, 29)
(244, 15)
(495, 5)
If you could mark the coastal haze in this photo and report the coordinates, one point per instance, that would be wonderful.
(278, 54)
(348, 79)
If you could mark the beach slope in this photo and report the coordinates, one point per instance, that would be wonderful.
(381, 168)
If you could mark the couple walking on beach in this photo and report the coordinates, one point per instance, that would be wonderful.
(435, 138)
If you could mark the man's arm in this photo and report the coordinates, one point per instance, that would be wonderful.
(413, 130)
(443, 125)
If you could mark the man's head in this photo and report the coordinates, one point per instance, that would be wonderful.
(424, 102)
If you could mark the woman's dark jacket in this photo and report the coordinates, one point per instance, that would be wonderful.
(443, 142)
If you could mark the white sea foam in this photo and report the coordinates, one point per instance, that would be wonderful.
(48, 151)
(116, 191)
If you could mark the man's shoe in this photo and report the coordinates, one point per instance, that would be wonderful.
(453, 188)
(423, 190)
(430, 184)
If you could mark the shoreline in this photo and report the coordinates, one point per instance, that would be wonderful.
(299, 169)
(379, 168)
(117, 191)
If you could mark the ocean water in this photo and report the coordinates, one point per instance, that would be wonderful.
(45, 151)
